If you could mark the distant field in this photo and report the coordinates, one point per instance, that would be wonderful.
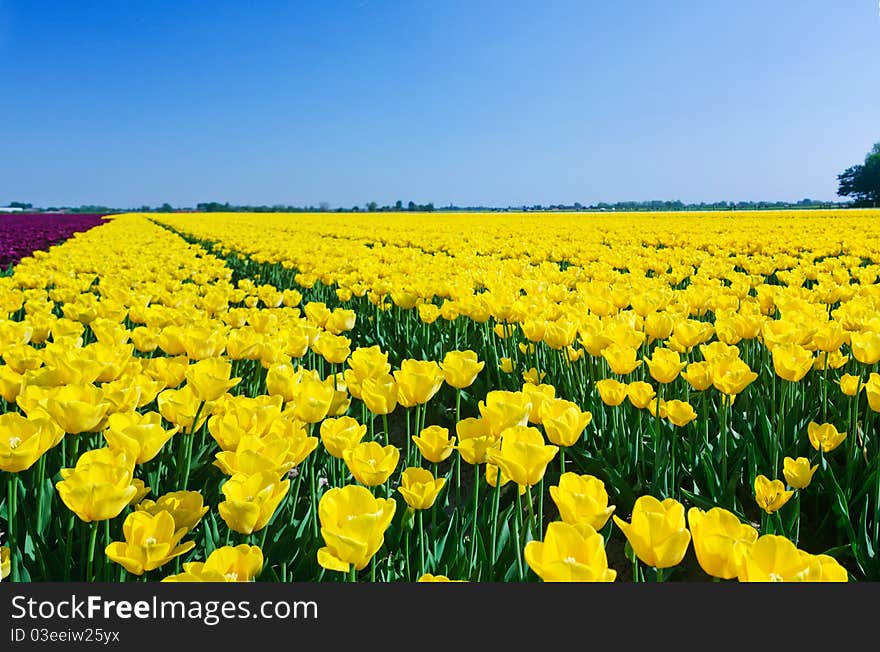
(23, 233)
(484, 397)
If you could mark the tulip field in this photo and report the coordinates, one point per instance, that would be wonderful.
(402, 397)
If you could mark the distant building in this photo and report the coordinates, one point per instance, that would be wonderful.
(9, 209)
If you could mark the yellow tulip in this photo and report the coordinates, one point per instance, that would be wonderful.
(850, 385)
(5, 562)
(364, 363)
(254, 454)
(428, 577)
(140, 434)
(872, 391)
(473, 440)
(731, 376)
(312, 400)
(150, 542)
(241, 563)
(539, 396)
(522, 455)
(10, 383)
(460, 368)
(353, 525)
(773, 558)
(798, 473)
(569, 553)
(341, 434)
(495, 476)
(419, 488)
(210, 378)
(282, 379)
(564, 422)
(866, 346)
(657, 531)
(185, 507)
(99, 487)
(180, 407)
(417, 381)
(251, 500)
(664, 365)
(335, 349)
(434, 443)
(23, 441)
(698, 375)
(380, 393)
(371, 463)
(679, 413)
(611, 391)
(142, 490)
(720, 540)
(170, 371)
(824, 436)
(770, 495)
(582, 499)
(78, 408)
(621, 359)
(791, 361)
(503, 409)
(640, 394)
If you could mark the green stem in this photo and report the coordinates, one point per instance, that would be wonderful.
(458, 458)
(12, 517)
(474, 524)
(90, 560)
(422, 570)
(496, 501)
(517, 524)
(189, 445)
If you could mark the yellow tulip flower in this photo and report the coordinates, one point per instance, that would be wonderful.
(251, 500)
(210, 378)
(581, 499)
(657, 531)
(23, 441)
(798, 472)
(140, 434)
(417, 381)
(720, 540)
(371, 463)
(241, 563)
(569, 553)
(434, 443)
(824, 436)
(522, 455)
(564, 422)
(419, 488)
(353, 525)
(460, 368)
(770, 495)
(150, 541)
(185, 507)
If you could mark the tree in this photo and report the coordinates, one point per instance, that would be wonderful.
(371, 207)
(862, 182)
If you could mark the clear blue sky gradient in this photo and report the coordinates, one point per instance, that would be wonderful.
(125, 102)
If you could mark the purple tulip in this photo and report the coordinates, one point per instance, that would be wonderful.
(23, 233)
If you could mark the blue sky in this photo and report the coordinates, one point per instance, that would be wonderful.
(126, 102)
